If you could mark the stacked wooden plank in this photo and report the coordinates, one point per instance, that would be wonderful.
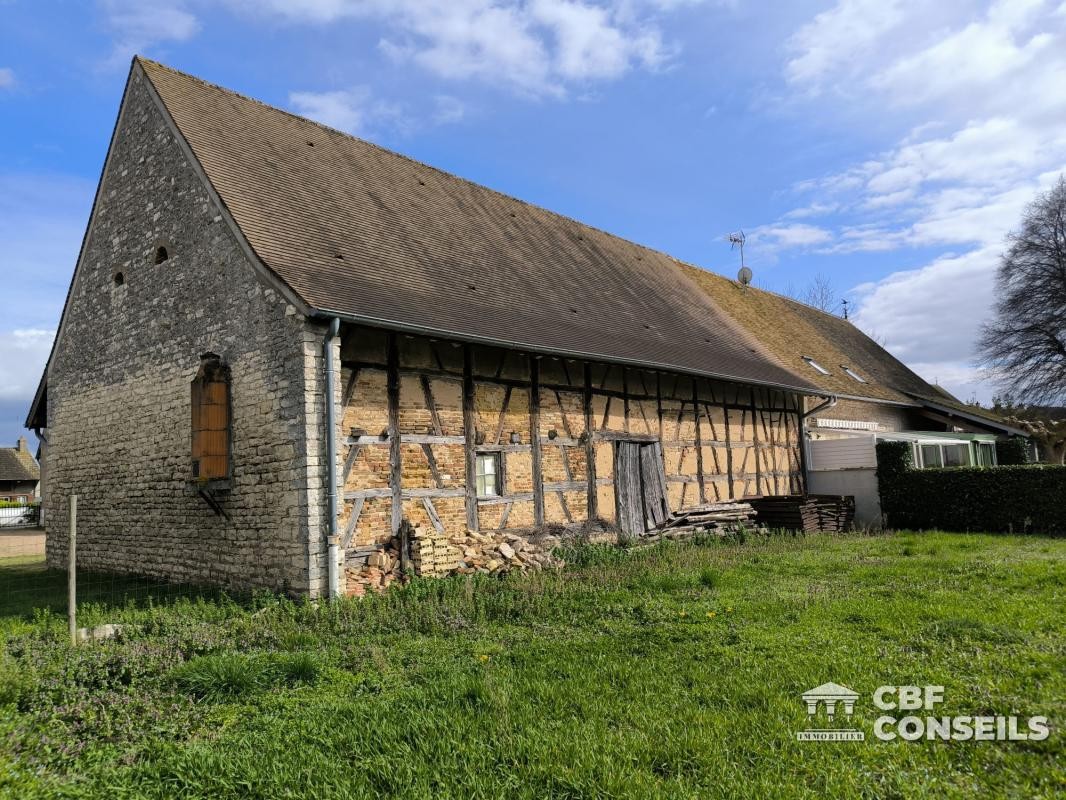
(720, 518)
(809, 513)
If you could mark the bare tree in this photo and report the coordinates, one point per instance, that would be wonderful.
(821, 294)
(1024, 347)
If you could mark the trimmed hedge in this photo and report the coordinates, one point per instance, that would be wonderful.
(1014, 450)
(1005, 499)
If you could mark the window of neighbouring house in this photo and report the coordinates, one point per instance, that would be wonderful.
(931, 456)
(818, 367)
(956, 455)
(986, 454)
(489, 482)
(210, 392)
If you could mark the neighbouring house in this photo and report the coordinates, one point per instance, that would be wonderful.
(19, 474)
(280, 342)
(874, 396)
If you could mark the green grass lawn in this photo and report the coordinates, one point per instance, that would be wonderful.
(674, 671)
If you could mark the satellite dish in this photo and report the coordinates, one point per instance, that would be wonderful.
(744, 276)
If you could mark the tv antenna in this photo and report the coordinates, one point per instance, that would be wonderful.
(737, 240)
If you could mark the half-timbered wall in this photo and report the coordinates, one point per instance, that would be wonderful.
(417, 411)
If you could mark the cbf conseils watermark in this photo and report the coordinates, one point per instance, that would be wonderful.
(830, 708)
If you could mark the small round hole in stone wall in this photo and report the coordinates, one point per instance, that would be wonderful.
(119, 279)
(161, 254)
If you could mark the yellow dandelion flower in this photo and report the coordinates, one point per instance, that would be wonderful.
(682, 613)
(729, 608)
(483, 657)
(711, 615)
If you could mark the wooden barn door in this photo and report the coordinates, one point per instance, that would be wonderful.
(640, 486)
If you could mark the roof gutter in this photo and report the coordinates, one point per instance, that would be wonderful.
(950, 412)
(491, 341)
(830, 402)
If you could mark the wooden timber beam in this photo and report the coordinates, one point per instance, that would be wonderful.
(392, 389)
(534, 438)
(590, 444)
(699, 441)
(470, 440)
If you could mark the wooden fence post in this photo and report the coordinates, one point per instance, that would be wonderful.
(72, 572)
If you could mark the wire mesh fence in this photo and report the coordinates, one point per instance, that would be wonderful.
(36, 588)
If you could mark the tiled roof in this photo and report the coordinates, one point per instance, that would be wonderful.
(16, 466)
(362, 232)
(792, 330)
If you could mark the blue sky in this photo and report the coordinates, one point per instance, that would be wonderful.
(886, 145)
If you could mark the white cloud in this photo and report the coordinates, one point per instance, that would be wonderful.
(140, 24)
(980, 84)
(834, 38)
(7, 77)
(358, 111)
(589, 45)
(42, 219)
(536, 46)
(24, 352)
(930, 317)
(792, 235)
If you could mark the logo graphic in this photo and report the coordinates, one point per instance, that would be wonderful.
(830, 695)
(836, 700)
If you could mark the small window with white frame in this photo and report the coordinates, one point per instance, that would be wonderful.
(818, 367)
(852, 373)
(489, 475)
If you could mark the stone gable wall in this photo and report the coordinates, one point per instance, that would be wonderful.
(119, 395)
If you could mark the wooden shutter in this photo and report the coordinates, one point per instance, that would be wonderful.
(211, 420)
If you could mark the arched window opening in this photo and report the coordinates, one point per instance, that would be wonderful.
(211, 420)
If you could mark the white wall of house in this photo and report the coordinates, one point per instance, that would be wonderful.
(859, 483)
(847, 465)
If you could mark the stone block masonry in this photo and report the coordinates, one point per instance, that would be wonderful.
(137, 321)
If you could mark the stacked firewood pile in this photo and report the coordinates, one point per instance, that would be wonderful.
(374, 571)
(809, 513)
(719, 518)
(434, 554)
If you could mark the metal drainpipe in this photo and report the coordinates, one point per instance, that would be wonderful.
(333, 539)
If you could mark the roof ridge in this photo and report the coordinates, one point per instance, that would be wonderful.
(411, 159)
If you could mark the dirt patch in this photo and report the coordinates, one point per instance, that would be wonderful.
(29, 542)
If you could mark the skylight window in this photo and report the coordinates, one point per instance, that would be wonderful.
(852, 373)
(816, 365)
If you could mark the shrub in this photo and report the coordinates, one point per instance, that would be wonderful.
(1018, 499)
(1014, 450)
(894, 460)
